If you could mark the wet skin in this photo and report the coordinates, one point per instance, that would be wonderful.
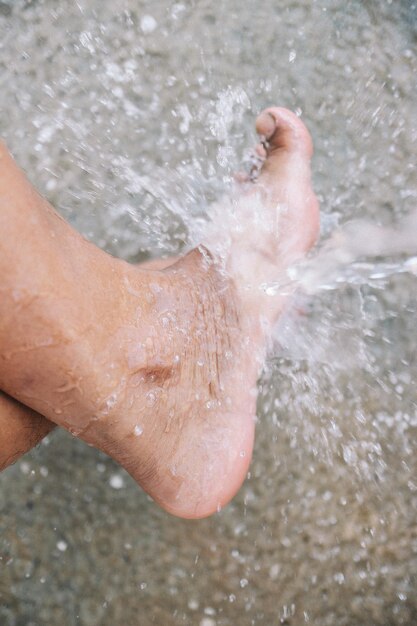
(157, 368)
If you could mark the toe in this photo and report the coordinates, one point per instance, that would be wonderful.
(283, 130)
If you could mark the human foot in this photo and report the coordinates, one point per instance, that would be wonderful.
(271, 224)
(164, 377)
(190, 444)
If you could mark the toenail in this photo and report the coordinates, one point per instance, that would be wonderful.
(275, 123)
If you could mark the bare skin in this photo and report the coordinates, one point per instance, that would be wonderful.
(156, 368)
(21, 428)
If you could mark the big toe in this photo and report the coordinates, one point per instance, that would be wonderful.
(283, 130)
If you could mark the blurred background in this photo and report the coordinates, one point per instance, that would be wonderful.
(131, 116)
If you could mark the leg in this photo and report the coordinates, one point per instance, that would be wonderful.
(21, 428)
(156, 368)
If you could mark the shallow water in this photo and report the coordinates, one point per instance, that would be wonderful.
(130, 116)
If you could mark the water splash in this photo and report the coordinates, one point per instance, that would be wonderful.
(358, 253)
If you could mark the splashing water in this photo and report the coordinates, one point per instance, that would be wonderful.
(130, 117)
(358, 253)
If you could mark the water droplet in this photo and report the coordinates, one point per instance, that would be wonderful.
(209, 610)
(24, 467)
(193, 605)
(150, 398)
(349, 455)
(116, 481)
(138, 430)
(111, 401)
(244, 582)
(292, 56)
(411, 265)
(242, 453)
(62, 545)
(148, 24)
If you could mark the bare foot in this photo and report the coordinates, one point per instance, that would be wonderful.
(166, 380)
(274, 220)
(190, 443)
